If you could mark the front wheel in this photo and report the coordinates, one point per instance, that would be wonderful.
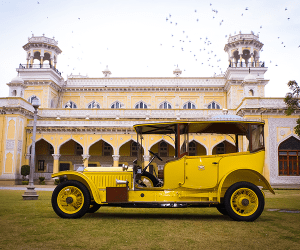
(71, 199)
(244, 201)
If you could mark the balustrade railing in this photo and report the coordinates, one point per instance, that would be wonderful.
(246, 64)
(38, 66)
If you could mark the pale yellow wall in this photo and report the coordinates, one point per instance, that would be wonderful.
(130, 99)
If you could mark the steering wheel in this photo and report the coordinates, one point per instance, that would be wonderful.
(156, 155)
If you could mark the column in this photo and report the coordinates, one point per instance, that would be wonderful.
(85, 159)
(31, 61)
(42, 61)
(27, 157)
(55, 163)
(116, 160)
(146, 160)
(241, 59)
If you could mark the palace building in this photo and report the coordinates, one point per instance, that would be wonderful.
(84, 121)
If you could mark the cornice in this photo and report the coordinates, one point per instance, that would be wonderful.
(143, 89)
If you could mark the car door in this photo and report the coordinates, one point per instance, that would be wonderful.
(201, 172)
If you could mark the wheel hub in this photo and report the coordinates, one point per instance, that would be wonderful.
(69, 200)
(245, 202)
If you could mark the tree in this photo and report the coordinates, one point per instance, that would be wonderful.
(292, 101)
(25, 170)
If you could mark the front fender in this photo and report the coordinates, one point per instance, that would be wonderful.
(238, 175)
(77, 176)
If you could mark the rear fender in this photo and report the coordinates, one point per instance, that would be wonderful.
(238, 175)
(77, 176)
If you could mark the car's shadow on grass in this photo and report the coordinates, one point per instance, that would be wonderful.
(157, 216)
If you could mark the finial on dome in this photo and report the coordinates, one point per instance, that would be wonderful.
(106, 72)
(177, 72)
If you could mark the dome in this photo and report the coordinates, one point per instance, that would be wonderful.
(17, 79)
(250, 78)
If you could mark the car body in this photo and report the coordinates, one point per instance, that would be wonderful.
(230, 182)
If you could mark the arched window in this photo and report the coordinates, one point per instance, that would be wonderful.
(163, 149)
(213, 105)
(14, 92)
(165, 105)
(93, 105)
(70, 105)
(116, 105)
(141, 105)
(134, 148)
(192, 148)
(189, 105)
(251, 92)
(289, 157)
(31, 98)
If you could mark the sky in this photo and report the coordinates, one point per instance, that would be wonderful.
(139, 38)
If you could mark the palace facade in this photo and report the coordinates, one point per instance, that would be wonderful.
(85, 121)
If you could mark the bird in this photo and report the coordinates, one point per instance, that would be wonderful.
(246, 8)
(195, 10)
(285, 8)
(288, 18)
(79, 18)
(260, 27)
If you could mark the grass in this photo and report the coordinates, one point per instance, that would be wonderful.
(34, 225)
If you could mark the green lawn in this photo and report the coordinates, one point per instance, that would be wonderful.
(34, 225)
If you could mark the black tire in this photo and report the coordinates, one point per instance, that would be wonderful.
(244, 201)
(221, 208)
(151, 177)
(94, 207)
(71, 199)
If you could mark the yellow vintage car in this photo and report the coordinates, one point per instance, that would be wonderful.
(230, 182)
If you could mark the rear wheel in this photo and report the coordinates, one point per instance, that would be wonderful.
(244, 201)
(71, 199)
(221, 208)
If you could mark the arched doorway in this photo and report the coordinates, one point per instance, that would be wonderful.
(289, 157)
(70, 155)
(128, 153)
(43, 159)
(101, 153)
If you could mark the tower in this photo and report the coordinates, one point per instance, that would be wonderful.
(40, 74)
(245, 72)
(41, 49)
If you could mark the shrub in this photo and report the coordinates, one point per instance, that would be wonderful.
(25, 170)
(25, 182)
(56, 181)
(42, 180)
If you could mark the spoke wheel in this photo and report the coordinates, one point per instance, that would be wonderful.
(244, 201)
(71, 199)
(149, 179)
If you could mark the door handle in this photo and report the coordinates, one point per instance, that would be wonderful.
(215, 162)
